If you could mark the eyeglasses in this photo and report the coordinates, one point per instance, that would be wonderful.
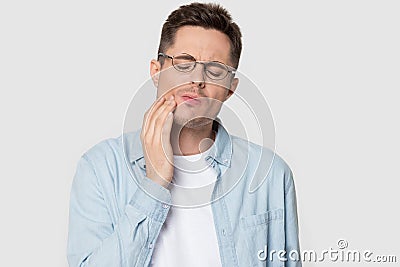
(214, 70)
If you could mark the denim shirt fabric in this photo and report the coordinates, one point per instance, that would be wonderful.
(116, 212)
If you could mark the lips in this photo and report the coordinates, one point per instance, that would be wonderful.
(191, 99)
(191, 96)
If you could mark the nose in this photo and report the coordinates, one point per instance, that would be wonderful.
(198, 77)
(200, 85)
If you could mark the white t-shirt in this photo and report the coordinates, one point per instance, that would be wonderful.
(188, 236)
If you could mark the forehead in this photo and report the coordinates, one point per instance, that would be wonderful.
(203, 44)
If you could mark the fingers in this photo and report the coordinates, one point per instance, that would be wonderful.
(155, 117)
(166, 131)
(160, 118)
(149, 112)
(155, 137)
(163, 128)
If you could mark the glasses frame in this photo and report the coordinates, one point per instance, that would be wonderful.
(229, 69)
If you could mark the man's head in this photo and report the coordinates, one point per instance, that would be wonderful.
(208, 16)
(205, 33)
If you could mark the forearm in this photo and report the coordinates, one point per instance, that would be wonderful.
(97, 240)
(121, 248)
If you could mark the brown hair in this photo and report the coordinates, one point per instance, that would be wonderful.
(208, 16)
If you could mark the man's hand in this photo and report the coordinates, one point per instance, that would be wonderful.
(155, 137)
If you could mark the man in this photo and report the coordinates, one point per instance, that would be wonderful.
(150, 220)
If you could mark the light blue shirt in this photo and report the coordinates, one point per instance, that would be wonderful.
(116, 212)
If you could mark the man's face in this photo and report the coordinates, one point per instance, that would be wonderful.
(198, 98)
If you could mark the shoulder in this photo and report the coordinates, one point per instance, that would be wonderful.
(254, 150)
(106, 155)
(264, 160)
(105, 148)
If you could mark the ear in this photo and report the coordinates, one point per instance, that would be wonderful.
(234, 85)
(155, 68)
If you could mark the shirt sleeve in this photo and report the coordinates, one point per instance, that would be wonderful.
(292, 246)
(94, 240)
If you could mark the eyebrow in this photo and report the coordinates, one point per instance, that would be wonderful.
(185, 55)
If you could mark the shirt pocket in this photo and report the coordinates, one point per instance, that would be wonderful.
(264, 231)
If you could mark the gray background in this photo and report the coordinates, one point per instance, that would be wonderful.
(329, 69)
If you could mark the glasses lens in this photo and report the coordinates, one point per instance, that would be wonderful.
(216, 70)
(184, 63)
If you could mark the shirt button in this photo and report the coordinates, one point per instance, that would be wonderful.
(150, 245)
(223, 232)
(165, 206)
(225, 161)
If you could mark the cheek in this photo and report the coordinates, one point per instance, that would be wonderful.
(166, 93)
(220, 94)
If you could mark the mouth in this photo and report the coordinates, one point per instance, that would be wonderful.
(191, 99)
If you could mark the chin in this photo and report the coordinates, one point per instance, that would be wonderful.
(192, 123)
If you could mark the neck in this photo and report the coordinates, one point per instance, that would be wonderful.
(189, 141)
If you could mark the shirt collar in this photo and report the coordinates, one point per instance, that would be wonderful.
(221, 149)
